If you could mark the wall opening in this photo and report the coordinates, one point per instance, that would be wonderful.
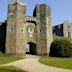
(31, 48)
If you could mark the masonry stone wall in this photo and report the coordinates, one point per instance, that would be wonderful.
(67, 29)
(23, 30)
(58, 30)
(44, 29)
(20, 32)
(64, 29)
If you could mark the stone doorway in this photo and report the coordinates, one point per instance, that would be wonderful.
(31, 48)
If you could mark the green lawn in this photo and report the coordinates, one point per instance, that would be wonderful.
(57, 62)
(10, 69)
(7, 59)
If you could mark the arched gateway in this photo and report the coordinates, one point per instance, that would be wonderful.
(31, 48)
(36, 30)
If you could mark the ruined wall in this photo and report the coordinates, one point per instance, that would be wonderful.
(67, 29)
(58, 30)
(64, 29)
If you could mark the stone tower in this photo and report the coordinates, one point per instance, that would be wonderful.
(44, 28)
(15, 28)
(28, 34)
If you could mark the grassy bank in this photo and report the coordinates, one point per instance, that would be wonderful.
(57, 62)
(7, 59)
(10, 69)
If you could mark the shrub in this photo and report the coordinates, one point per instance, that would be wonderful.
(61, 48)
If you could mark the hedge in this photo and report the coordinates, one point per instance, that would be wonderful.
(61, 48)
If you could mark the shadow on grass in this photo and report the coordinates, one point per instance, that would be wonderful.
(10, 69)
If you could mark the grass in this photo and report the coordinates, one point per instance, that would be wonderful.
(57, 62)
(10, 69)
(7, 59)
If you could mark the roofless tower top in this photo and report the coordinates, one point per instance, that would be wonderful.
(16, 1)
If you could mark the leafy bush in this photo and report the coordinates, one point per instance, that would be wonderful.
(61, 48)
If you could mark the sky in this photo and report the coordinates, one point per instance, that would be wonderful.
(61, 10)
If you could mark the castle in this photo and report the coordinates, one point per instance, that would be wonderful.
(64, 29)
(21, 34)
(28, 34)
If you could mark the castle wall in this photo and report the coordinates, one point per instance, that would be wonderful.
(64, 29)
(20, 29)
(11, 29)
(67, 29)
(15, 29)
(44, 31)
(58, 30)
(23, 30)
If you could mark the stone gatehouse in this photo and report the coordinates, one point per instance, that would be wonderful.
(28, 34)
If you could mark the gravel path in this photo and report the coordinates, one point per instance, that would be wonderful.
(31, 64)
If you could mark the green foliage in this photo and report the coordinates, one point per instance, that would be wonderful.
(61, 48)
(57, 62)
(10, 69)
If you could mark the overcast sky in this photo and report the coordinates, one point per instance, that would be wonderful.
(61, 10)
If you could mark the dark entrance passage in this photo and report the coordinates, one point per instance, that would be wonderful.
(31, 48)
